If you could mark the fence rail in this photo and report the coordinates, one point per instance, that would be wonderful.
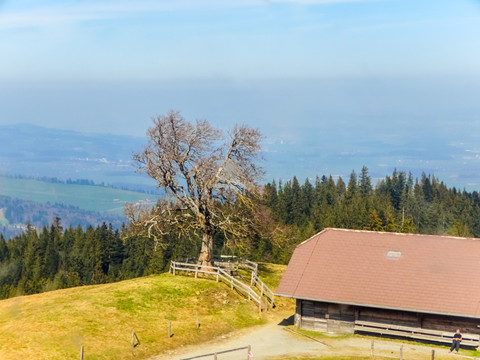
(250, 265)
(471, 340)
(215, 354)
(229, 261)
(226, 261)
(219, 273)
(263, 288)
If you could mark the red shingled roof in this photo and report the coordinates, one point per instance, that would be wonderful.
(421, 273)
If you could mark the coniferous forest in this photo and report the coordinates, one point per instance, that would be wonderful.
(288, 213)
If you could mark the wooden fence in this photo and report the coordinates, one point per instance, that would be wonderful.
(232, 262)
(416, 333)
(250, 265)
(221, 274)
(215, 355)
(263, 288)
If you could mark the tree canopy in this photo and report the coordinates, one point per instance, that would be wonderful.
(205, 173)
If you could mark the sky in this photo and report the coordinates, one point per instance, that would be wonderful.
(333, 84)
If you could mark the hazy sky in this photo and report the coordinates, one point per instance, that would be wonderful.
(366, 78)
(237, 39)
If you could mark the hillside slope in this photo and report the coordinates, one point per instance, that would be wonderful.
(55, 325)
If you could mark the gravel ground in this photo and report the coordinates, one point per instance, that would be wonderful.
(274, 341)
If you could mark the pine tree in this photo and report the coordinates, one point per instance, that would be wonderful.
(3, 249)
(374, 223)
(297, 205)
(427, 188)
(281, 207)
(352, 185)
(390, 224)
(270, 195)
(365, 186)
(307, 198)
(340, 190)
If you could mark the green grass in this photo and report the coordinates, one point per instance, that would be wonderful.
(91, 198)
(271, 274)
(55, 325)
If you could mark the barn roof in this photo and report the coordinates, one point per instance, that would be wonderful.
(421, 273)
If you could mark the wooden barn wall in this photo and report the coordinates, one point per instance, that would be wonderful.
(325, 317)
(329, 317)
(450, 323)
(389, 317)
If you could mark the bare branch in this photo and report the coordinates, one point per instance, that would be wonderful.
(201, 172)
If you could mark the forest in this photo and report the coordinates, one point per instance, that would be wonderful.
(53, 258)
(397, 203)
(286, 214)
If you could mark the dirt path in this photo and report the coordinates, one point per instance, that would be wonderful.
(266, 340)
(274, 341)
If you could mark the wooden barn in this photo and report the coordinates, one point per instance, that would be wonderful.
(406, 285)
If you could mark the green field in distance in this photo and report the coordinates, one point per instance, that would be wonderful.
(92, 198)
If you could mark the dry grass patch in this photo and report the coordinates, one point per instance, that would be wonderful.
(55, 325)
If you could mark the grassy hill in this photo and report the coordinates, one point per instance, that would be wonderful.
(92, 198)
(55, 325)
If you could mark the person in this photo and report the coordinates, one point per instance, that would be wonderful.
(457, 337)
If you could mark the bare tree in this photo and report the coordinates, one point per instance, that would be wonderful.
(209, 177)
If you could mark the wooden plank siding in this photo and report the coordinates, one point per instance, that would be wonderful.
(414, 333)
(318, 316)
(340, 318)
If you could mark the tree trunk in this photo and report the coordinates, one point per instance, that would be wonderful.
(205, 258)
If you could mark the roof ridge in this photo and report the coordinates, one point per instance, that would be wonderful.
(393, 233)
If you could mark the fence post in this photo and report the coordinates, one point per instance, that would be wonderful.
(135, 341)
(433, 354)
(215, 356)
(252, 280)
(249, 354)
(169, 329)
(81, 353)
(173, 268)
(373, 348)
(401, 352)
